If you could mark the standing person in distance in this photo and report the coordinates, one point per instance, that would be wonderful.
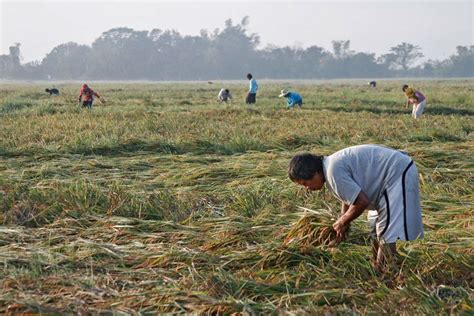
(253, 87)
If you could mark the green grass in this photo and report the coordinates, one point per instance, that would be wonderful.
(164, 200)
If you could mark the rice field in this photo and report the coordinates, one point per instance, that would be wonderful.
(165, 201)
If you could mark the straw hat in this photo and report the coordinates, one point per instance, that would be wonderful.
(283, 93)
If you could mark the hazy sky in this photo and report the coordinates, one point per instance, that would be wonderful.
(372, 26)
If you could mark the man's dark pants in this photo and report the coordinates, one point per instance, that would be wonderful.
(251, 98)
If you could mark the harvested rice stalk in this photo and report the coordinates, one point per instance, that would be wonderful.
(312, 229)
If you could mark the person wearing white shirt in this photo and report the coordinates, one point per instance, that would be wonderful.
(224, 95)
(371, 177)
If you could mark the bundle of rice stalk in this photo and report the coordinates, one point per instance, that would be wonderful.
(313, 229)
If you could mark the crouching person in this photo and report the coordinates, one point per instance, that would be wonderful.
(52, 91)
(368, 177)
(292, 98)
(224, 95)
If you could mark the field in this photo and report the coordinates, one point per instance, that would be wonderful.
(163, 200)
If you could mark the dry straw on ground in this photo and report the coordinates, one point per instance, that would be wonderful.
(168, 203)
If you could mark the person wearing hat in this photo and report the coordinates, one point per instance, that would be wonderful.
(293, 98)
(224, 95)
(416, 98)
(86, 95)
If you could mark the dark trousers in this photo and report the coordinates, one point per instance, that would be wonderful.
(87, 104)
(251, 98)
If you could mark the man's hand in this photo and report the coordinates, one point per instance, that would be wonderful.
(353, 211)
(341, 230)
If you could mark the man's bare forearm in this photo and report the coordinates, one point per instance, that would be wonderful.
(350, 212)
(356, 209)
(344, 208)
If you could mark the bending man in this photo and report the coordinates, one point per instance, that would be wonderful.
(368, 177)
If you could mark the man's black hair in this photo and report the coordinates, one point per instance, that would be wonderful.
(303, 166)
(405, 86)
(226, 90)
(249, 76)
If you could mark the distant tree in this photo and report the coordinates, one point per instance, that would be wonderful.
(233, 50)
(364, 64)
(430, 68)
(67, 61)
(228, 53)
(279, 62)
(164, 62)
(15, 54)
(335, 66)
(10, 65)
(341, 49)
(311, 60)
(4, 66)
(33, 70)
(402, 56)
(121, 53)
(461, 64)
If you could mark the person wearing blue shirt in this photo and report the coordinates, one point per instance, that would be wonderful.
(293, 98)
(253, 87)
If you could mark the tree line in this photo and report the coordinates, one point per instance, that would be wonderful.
(228, 53)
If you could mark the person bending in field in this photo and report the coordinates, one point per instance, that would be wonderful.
(52, 91)
(372, 177)
(293, 98)
(417, 99)
(372, 84)
(224, 95)
(253, 87)
(86, 96)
